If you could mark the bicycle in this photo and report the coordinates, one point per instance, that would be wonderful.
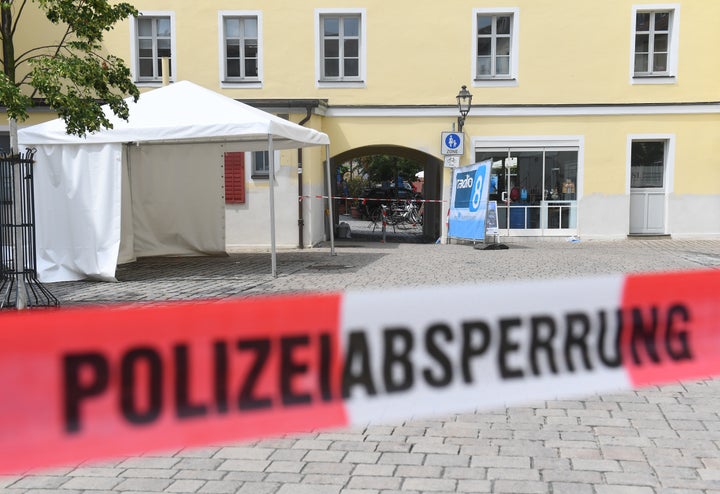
(403, 216)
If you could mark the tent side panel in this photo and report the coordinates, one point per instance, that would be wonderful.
(78, 211)
(177, 201)
(127, 234)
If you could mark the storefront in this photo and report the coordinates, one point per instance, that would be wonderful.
(535, 186)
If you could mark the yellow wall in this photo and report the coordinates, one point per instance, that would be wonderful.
(419, 51)
(697, 170)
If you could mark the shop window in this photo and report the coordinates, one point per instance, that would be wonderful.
(535, 189)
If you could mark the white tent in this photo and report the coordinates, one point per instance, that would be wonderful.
(148, 186)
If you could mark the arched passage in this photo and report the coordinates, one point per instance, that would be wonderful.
(433, 173)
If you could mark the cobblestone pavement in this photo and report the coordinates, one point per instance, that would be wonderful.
(658, 439)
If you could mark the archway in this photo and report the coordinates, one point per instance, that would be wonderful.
(432, 187)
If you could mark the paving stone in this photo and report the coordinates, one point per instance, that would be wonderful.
(370, 482)
(40, 482)
(374, 470)
(200, 474)
(285, 466)
(512, 474)
(221, 486)
(361, 457)
(519, 487)
(475, 486)
(182, 486)
(500, 461)
(92, 483)
(244, 453)
(329, 468)
(326, 478)
(401, 458)
(287, 454)
(245, 465)
(308, 489)
(143, 484)
(148, 462)
(465, 473)
(197, 464)
(571, 488)
(596, 465)
(623, 489)
(418, 471)
(258, 488)
(324, 456)
(149, 473)
(430, 484)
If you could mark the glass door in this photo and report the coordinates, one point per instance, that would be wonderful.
(525, 188)
(498, 182)
(559, 205)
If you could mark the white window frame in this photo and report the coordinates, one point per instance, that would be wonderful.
(252, 82)
(254, 172)
(505, 80)
(670, 76)
(134, 70)
(669, 177)
(357, 82)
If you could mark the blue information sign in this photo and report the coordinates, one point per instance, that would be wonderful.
(452, 143)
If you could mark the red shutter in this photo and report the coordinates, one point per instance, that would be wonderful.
(235, 178)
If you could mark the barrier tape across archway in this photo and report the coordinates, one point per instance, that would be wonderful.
(366, 199)
(97, 382)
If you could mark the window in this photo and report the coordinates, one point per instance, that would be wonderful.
(493, 45)
(240, 47)
(495, 51)
(647, 164)
(235, 178)
(341, 48)
(153, 39)
(654, 43)
(537, 182)
(260, 164)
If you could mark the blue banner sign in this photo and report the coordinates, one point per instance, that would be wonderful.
(468, 204)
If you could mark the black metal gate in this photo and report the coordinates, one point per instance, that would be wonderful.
(19, 286)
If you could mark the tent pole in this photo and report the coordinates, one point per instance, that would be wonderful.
(271, 166)
(330, 200)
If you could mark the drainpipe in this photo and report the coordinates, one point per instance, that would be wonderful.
(301, 222)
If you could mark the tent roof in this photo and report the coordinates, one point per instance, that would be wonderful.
(184, 111)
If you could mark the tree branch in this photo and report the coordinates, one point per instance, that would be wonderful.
(22, 57)
(18, 16)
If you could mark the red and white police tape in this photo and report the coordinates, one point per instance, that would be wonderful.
(96, 382)
(367, 199)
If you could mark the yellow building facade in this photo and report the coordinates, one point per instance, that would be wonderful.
(601, 119)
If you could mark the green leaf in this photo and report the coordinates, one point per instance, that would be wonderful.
(77, 77)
